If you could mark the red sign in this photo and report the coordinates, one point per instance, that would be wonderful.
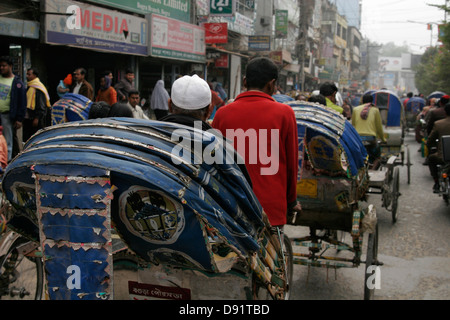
(222, 62)
(216, 32)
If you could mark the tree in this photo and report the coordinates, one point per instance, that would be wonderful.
(427, 79)
(433, 73)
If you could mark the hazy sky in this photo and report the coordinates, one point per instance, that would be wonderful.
(402, 21)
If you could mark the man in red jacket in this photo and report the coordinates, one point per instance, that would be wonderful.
(264, 133)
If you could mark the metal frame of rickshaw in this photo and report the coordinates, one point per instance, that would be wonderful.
(332, 207)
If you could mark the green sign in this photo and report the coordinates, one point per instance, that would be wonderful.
(281, 24)
(179, 9)
(221, 8)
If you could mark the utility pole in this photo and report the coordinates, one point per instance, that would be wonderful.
(303, 29)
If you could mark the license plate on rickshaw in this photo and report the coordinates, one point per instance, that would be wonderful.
(307, 188)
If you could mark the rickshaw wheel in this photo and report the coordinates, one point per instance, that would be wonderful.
(259, 290)
(408, 164)
(371, 260)
(288, 257)
(395, 193)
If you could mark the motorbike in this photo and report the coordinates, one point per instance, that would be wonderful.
(444, 170)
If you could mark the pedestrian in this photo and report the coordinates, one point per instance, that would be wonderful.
(191, 101)
(159, 101)
(125, 85)
(13, 105)
(329, 91)
(217, 101)
(3, 150)
(438, 113)
(347, 109)
(120, 109)
(191, 105)
(109, 74)
(99, 110)
(64, 86)
(133, 103)
(441, 128)
(217, 87)
(38, 105)
(318, 98)
(366, 119)
(106, 93)
(80, 85)
(273, 127)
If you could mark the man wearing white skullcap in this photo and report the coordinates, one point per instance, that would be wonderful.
(190, 104)
(190, 101)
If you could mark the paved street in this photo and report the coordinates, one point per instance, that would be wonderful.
(415, 251)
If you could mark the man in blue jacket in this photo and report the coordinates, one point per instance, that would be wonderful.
(13, 104)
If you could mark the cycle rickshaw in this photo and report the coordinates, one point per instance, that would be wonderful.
(394, 121)
(412, 109)
(126, 208)
(332, 186)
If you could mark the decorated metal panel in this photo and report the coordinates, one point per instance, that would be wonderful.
(75, 232)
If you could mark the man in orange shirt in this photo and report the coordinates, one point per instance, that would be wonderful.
(3, 150)
(106, 92)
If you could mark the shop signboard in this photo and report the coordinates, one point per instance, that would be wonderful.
(174, 39)
(222, 8)
(175, 9)
(222, 61)
(216, 32)
(259, 43)
(19, 28)
(281, 24)
(86, 26)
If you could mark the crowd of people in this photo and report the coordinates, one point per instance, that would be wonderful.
(432, 124)
(193, 99)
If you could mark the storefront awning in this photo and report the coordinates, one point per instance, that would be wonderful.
(294, 68)
(226, 51)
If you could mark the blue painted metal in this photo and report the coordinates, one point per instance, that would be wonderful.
(315, 121)
(75, 233)
(387, 100)
(181, 214)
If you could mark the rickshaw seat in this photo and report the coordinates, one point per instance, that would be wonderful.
(377, 178)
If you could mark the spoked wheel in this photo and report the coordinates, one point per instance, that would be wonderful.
(395, 191)
(289, 267)
(445, 189)
(370, 277)
(260, 292)
(21, 276)
(408, 164)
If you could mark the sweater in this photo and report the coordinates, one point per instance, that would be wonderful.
(264, 133)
